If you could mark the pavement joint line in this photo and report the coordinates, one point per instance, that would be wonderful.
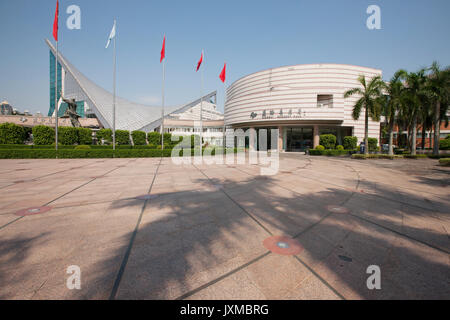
(401, 234)
(48, 203)
(226, 275)
(329, 286)
(44, 176)
(11, 222)
(237, 204)
(79, 187)
(124, 263)
(385, 184)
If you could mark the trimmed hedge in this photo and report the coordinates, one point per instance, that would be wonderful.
(330, 153)
(375, 156)
(105, 134)
(350, 143)
(43, 135)
(67, 136)
(444, 144)
(80, 153)
(417, 156)
(123, 137)
(328, 141)
(84, 136)
(444, 162)
(11, 133)
(154, 138)
(320, 148)
(373, 144)
(139, 138)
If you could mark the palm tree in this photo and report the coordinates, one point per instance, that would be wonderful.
(369, 100)
(415, 96)
(392, 102)
(438, 88)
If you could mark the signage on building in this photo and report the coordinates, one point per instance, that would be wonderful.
(288, 113)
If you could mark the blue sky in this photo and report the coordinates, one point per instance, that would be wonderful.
(249, 35)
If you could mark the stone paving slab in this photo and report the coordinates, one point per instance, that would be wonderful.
(200, 233)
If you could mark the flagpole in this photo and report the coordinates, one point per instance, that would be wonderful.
(201, 105)
(114, 89)
(162, 109)
(224, 103)
(56, 99)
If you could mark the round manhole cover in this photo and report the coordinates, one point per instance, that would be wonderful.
(337, 209)
(283, 245)
(32, 211)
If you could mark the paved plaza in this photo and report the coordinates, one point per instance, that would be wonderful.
(224, 231)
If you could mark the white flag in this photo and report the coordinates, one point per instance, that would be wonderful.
(112, 34)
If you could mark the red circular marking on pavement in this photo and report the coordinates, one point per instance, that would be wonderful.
(32, 211)
(337, 209)
(283, 245)
(147, 197)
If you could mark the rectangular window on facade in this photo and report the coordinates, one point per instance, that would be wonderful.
(325, 101)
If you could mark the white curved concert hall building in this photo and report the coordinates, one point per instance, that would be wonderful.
(301, 101)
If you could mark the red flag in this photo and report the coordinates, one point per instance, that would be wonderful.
(55, 23)
(223, 73)
(163, 51)
(200, 62)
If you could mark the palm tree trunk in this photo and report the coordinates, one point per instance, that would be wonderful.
(391, 138)
(366, 133)
(437, 128)
(424, 135)
(414, 137)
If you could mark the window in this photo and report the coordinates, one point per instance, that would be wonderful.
(325, 100)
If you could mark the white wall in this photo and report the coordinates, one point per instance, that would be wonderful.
(296, 88)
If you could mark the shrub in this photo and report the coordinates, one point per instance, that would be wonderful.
(139, 138)
(167, 139)
(444, 162)
(373, 144)
(154, 138)
(417, 156)
(444, 144)
(328, 141)
(339, 148)
(330, 153)
(350, 143)
(84, 136)
(43, 135)
(123, 137)
(195, 140)
(105, 134)
(67, 136)
(82, 147)
(320, 148)
(11, 133)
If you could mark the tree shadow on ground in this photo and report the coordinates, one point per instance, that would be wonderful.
(197, 240)
(210, 241)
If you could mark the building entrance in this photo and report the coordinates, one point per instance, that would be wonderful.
(299, 139)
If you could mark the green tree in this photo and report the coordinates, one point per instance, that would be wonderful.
(11, 133)
(391, 103)
(414, 103)
(438, 89)
(369, 93)
(139, 138)
(43, 135)
(84, 136)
